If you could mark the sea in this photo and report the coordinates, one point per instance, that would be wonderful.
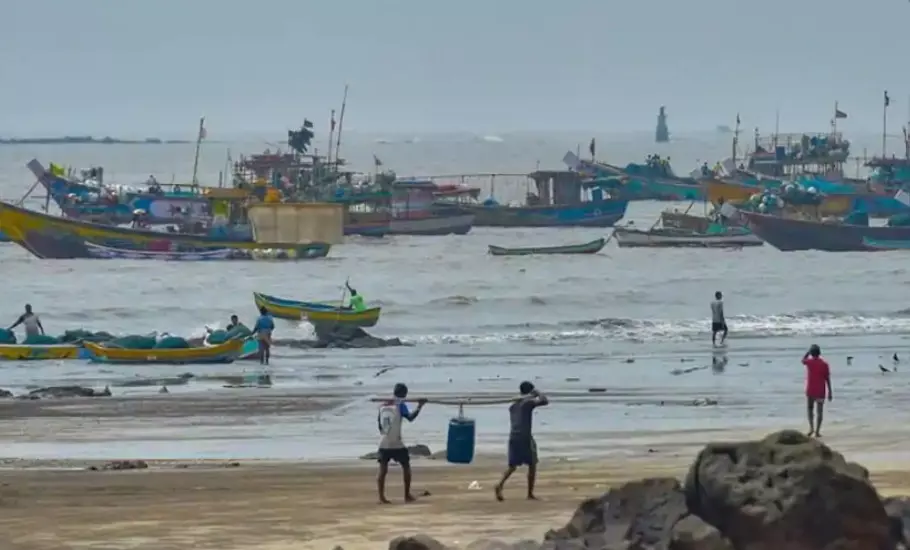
(620, 338)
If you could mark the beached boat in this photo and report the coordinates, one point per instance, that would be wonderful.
(675, 238)
(24, 352)
(48, 236)
(316, 312)
(789, 234)
(221, 353)
(592, 247)
(303, 252)
(562, 200)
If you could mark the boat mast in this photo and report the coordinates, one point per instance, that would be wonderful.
(344, 102)
(199, 139)
(735, 140)
(328, 157)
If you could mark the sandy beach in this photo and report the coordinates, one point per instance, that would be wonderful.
(277, 506)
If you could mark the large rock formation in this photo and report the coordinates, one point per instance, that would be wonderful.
(784, 492)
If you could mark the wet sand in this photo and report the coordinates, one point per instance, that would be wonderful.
(257, 505)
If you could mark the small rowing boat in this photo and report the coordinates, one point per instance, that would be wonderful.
(316, 312)
(25, 352)
(98, 251)
(221, 353)
(592, 247)
(675, 238)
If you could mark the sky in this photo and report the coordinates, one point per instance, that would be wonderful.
(137, 68)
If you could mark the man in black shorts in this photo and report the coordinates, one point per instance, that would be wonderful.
(718, 321)
(391, 446)
(522, 448)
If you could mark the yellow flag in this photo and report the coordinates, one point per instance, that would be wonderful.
(57, 170)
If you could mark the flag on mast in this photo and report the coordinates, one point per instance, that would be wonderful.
(202, 132)
(376, 161)
(887, 99)
(838, 113)
(592, 147)
(332, 126)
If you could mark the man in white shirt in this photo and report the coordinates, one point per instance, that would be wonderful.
(30, 321)
(391, 446)
(718, 321)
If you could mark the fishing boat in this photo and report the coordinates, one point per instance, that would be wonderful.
(316, 312)
(791, 234)
(221, 353)
(562, 199)
(652, 180)
(25, 352)
(48, 236)
(674, 238)
(592, 247)
(303, 252)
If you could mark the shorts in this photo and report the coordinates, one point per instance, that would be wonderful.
(718, 327)
(265, 336)
(401, 456)
(815, 400)
(522, 452)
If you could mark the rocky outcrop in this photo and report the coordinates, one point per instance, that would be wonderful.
(341, 336)
(6, 394)
(784, 492)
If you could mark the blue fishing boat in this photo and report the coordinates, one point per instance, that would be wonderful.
(875, 244)
(653, 180)
(562, 199)
(91, 200)
(797, 234)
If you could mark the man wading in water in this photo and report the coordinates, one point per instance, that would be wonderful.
(522, 447)
(391, 446)
(818, 379)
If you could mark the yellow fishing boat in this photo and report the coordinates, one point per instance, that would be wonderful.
(23, 352)
(316, 312)
(221, 353)
(719, 191)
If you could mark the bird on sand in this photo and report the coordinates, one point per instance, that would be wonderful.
(883, 369)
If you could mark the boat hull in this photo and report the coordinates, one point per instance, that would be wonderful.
(873, 244)
(302, 252)
(589, 214)
(592, 247)
(59, 238)
(726, 191)
(633, 238)
(221, 353)
(22, 352)
(791, 234)
(316, 312)
(459, 224)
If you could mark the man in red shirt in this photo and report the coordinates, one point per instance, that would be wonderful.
(818, 380)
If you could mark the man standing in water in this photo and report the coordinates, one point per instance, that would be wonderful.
(30, 321)
(391, 445)
(718, 322)
(522, 447)
(818, 379)
(263, 331)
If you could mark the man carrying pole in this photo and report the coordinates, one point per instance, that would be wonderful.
(522, 447)
(391, 445)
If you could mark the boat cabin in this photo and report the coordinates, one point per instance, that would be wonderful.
(565, 188)
(787, 156)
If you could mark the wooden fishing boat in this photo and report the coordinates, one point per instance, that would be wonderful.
(791, 234)
(315, 250)
(23, 352)
(592, 247)
(316, 312)
(876, 244)
(675, 238)
(221, 353)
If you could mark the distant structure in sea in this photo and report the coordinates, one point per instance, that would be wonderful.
(663, 133)
(107, 140)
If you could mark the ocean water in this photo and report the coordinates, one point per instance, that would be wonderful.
(632, 322)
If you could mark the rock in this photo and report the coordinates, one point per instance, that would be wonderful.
(342, 336)
(4, 394)
(417, 542)
(784, 492)
(641, 512)
(67, 391)
(122, 465)
(692, 533)
(417, 451)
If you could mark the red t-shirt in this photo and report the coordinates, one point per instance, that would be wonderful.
(817, 374)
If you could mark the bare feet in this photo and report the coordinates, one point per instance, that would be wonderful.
(811, 433)
(532, 497)
(409, 498)
(384, 500)
(818, 434)
(498, 492)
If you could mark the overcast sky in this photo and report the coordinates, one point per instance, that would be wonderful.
(142, 67)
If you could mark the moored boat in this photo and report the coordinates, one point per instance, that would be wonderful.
(592, 247)
(302, 252)
(653, 180)
(675, 238)
(791, 234)
(221, 353)
(316, 312)
(875, 244)
(25, 352)
(48, 236)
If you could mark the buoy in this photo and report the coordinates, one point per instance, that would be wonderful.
(460, 443)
